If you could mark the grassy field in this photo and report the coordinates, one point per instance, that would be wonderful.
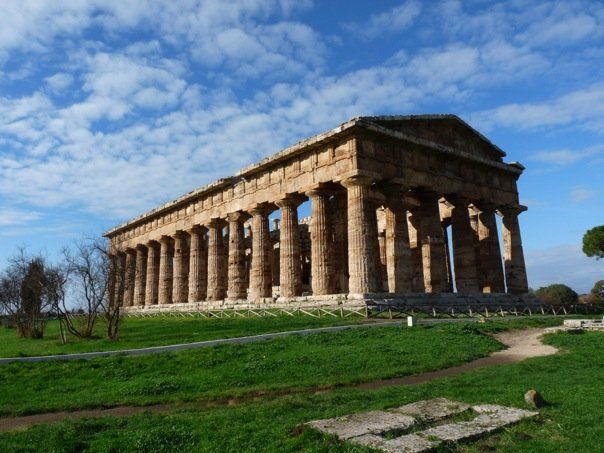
(157, 331)
(324, 359)
(570, 382)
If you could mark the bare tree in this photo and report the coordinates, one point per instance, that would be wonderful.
(96, 283)
(27, 293)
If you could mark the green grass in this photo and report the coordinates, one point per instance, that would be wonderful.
(325, 359)
(571, 383)
(158, 331)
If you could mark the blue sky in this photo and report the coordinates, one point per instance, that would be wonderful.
(109, 108)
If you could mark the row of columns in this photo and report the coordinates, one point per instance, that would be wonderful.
(194, 265)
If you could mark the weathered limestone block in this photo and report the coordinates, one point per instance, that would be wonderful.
(198, 265)
(237, 284)
(152, 274)
(140, 275)
(515, 268)
(363, 247)
(289, 248)
(260, 273)
(216, 258)
(165, 270)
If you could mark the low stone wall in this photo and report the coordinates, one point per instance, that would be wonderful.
(372, 301)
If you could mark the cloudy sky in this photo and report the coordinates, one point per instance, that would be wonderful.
(110, 107)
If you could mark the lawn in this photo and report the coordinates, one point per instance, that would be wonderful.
(573, 420)
(157, 331)
(316, 360)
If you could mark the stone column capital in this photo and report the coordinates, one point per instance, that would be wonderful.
(481, 207)
(215, 222)
(261, 209)
(165, 240)
(197, 229)
(318, 191)
(458, 200)
(292, 200)
(357, 180)
(237, 216)
(510, 211)
(152, 243)
(141, 247)
(180, 234)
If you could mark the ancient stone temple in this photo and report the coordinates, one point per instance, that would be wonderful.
(398, 205)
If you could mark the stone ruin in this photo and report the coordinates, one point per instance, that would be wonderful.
(386, 194)
(578, 325)
(421, 426)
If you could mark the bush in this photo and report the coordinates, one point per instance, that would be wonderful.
(597, 293)
(557, 294)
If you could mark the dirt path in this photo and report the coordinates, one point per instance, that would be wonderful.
(521, 344)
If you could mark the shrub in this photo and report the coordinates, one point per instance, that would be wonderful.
(557, 294)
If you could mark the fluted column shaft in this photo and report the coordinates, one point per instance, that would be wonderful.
(152, 275)
(198, 259)
(490, 253)
(432, 245)
(119, 283)
(290, 269)
(339, 219)
(363, 245)
(515, 268)
(129, 278)
(321, 244)
(165, 271)
(464, 247)
(180, 284)
(417, 264)
(216, 258)
(261, 279)
(140, 276)
(237, 285)
(398, 252)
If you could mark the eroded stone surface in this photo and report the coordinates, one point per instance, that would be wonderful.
(400, 429)
(433, 409)
(383, 191)
(356, 425)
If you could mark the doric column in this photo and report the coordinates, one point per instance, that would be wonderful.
(321, 244)
(198, 265)
(490, 254)
(339, 221)
(180, 284)
(362, 237)
(260, 274)
(464, 247)
(398, 253)
(237, 285)
(415, 248)
(216, 258)
(432, 244)
(129, 277)
(448, 258)
(515, 269)
(290, 266)
(152, 283)
(165, 270)
(140, 275)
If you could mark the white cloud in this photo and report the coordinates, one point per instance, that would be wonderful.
(579, 194)
(396, 19)
(563, 157)
(583, 108)
(59, 81)
(16, 217)
(563, 264)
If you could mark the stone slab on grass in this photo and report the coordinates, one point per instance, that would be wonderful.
(402, 429)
